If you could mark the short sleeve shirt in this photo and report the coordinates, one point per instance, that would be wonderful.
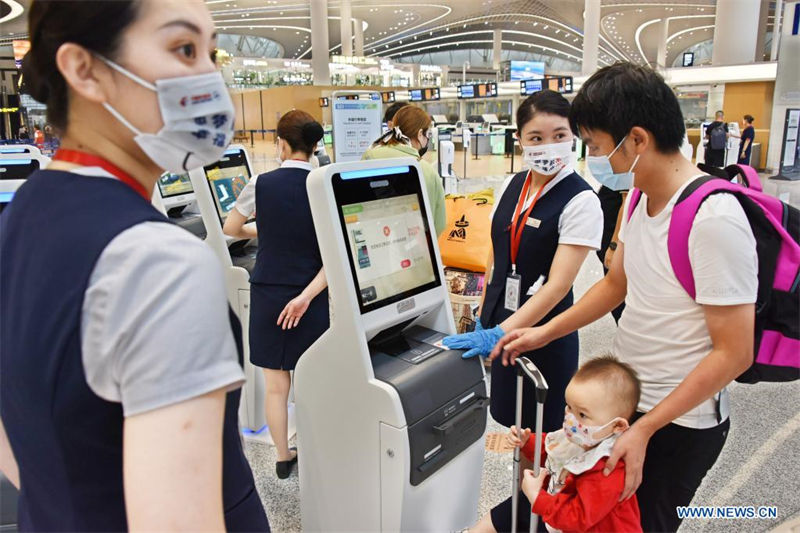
(155, 328)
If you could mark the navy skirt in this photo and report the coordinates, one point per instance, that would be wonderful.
(275, 348)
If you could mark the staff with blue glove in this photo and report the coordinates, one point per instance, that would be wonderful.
(544, 224)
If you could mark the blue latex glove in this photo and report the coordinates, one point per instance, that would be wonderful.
(478, 342)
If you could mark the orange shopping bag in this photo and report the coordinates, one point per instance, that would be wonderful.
(467, 239)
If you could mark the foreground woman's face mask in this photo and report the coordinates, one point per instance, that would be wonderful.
(198, 118)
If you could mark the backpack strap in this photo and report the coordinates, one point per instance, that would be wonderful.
(749, 176)
(681, 221)
(635, 195)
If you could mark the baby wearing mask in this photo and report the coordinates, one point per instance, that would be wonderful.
(601, 399)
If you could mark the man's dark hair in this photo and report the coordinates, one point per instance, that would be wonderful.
(392, 110)
(547, 101)
(624, 95)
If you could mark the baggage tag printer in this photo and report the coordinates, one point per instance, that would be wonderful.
(390, 423)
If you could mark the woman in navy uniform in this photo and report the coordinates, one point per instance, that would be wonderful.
(288, 282)
(119, 389)
(544, 224)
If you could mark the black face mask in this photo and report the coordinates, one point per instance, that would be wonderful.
(423, 150)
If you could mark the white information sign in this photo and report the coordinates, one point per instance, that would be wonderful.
(356, 123)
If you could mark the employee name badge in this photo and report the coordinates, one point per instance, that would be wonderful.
(513, 284)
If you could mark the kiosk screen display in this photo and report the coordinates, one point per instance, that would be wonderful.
(389, 243)
(17, 169)
(174, 184)
(226, 178)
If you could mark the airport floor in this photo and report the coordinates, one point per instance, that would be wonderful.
(758, 466)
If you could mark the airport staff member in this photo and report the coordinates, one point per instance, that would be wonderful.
(288, 289)
(546, 221)
(746, 139)
(410, 137)
(119, 385)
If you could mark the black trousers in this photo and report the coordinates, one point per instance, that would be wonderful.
(677, 460)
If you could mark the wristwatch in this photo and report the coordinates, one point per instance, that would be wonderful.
(613, 246)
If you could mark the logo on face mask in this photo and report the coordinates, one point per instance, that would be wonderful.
(198, 126)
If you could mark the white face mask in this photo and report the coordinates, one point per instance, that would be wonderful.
(198, 120)
(547, 159)
(581, 434)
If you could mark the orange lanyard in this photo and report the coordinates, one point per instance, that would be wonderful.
(518, 224)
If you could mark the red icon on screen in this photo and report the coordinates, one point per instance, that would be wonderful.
(405, 263)
(386, 231)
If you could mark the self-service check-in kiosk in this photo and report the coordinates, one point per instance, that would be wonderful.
(216, 188)
(174, 196)
(390, 423)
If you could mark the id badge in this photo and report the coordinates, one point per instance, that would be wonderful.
(513, 284)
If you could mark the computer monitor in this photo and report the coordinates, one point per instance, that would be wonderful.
(176, 189)
(226, 179)
(390, 245)
(17, 168)
(531, 86)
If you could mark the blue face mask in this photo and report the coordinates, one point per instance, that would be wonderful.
(600, 167)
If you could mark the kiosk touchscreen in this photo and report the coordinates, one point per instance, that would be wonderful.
(226, 178)
(389, 421)
(176, 189)
(216, 188)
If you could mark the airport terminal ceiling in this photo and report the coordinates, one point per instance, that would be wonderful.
(629, 29)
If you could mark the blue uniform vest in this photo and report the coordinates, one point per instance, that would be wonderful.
(537, 247)
(558, 360)
(288, 253)
(67, 440)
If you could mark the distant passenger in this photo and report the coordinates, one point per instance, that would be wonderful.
(391, 111)
(288, 289)
(716, 140)
(121, 376)
(410, 136)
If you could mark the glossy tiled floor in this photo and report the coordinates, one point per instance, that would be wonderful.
(758, 466)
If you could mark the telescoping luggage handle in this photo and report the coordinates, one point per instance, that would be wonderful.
(526, 368)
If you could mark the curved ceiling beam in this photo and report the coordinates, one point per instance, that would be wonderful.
(417, 44)
(16, 10)
(696, 28)
(489, 41)
(669, 19)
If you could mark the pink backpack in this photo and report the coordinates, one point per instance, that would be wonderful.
(776, 227)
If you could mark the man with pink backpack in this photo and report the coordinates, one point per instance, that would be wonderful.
(709, 273)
